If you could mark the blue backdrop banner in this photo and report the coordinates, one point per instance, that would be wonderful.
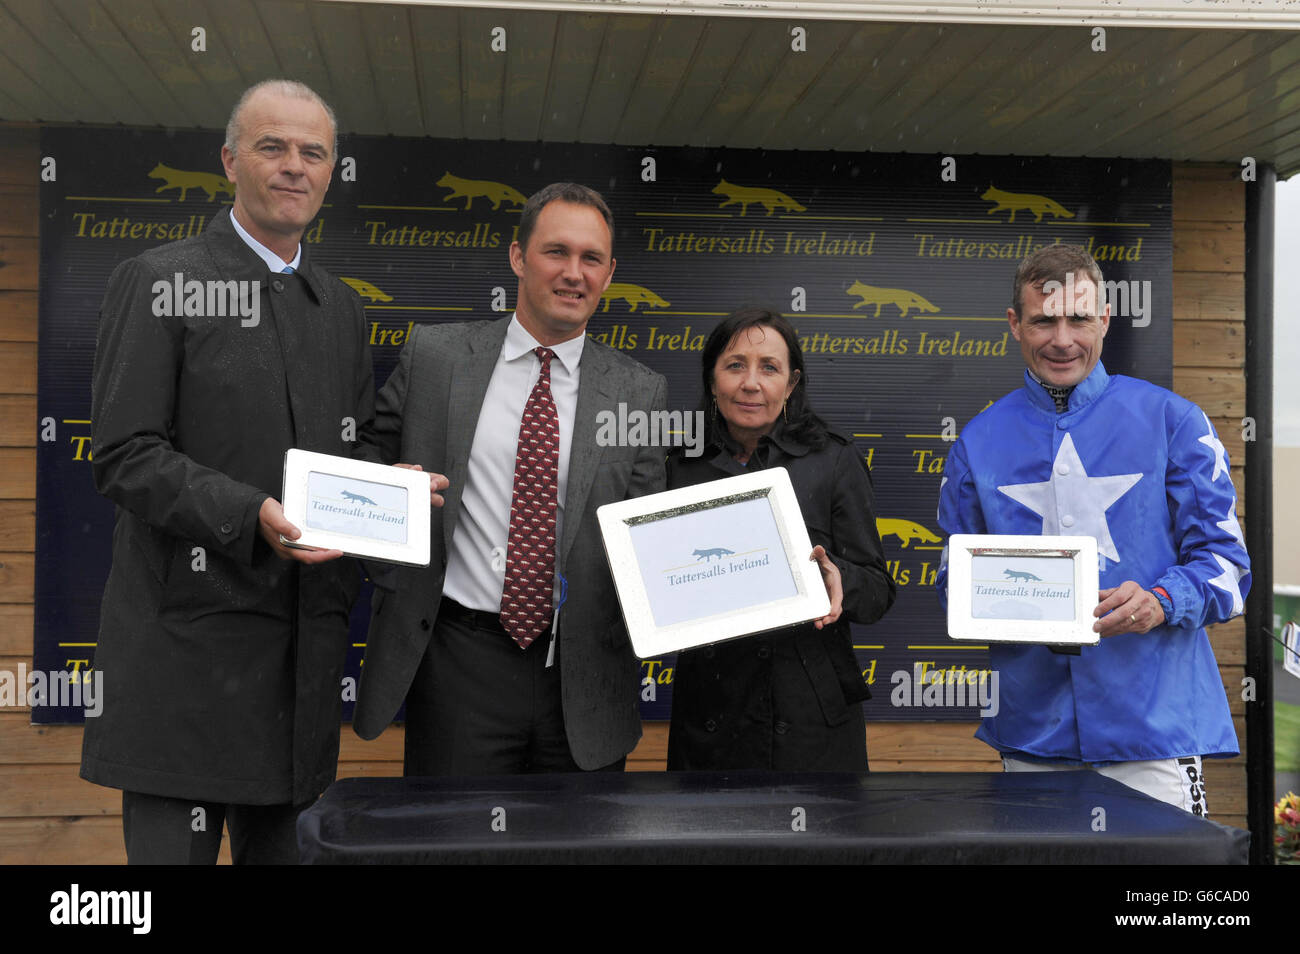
(896, 271)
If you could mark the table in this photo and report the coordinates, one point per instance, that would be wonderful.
(757, 818)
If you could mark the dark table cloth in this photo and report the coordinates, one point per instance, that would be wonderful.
(752, 818)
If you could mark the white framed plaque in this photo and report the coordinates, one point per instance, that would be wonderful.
(1022, 589)
(364, 509)
(712, 562)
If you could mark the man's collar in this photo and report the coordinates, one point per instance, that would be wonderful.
(1084, 393)
(519, 342)
(240, 260)
(274, 262)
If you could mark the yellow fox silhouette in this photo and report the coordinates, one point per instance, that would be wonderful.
(632, 294)
(209, 182)
(903, 299)
(1037, 204)
(365, 289)
(905, 530)
(770, 199)
(469, 188)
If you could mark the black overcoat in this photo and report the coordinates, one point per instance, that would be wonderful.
(220, 662)
(788, 700)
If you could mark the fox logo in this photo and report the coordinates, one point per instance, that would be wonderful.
(632, 294)
(708, 555)
(470, 189)
(347, 495)
(365, 289)
(1012, 201)
(770, 199)
(905, 530)
(900, 298)
(209, 182)
(1021, 576)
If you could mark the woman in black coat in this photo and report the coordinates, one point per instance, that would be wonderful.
(789, 699)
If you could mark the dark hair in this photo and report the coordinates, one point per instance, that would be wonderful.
(1053, 263)
(801, 423)
(565, 192)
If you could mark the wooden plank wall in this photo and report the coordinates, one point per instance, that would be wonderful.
(1210, 368)
(49, 815)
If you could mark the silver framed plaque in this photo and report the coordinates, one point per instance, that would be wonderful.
(364, 509)
(712, 562)
(1022, 589)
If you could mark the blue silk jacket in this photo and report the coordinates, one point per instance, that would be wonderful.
(1140, 469)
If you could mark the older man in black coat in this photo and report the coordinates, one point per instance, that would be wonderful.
(221, 650)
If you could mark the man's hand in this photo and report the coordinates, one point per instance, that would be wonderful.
(1127, 608)
(437, 482)
(834, 588)
(271, 523)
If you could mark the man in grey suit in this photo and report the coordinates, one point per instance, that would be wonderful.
(509, 647)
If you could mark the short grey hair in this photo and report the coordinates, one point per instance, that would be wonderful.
(281, 87)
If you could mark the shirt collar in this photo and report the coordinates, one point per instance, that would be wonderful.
(274, 262)
(1084, 393)
(519, 342)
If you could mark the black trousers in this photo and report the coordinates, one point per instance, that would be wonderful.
(480, 705)
(184, 831)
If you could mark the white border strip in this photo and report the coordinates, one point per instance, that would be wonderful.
(1211, 14)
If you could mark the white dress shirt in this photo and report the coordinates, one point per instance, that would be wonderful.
(476, 563)
(274, 262)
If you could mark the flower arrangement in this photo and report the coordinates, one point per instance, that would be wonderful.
(1286, 838)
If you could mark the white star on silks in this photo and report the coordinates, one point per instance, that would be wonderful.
(1232, 525)
(1229, 581)
(1084, 498)
(1216, 446)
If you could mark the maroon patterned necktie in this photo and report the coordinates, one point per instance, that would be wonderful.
(530, 552)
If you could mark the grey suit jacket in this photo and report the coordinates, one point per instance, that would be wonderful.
(427, 414)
